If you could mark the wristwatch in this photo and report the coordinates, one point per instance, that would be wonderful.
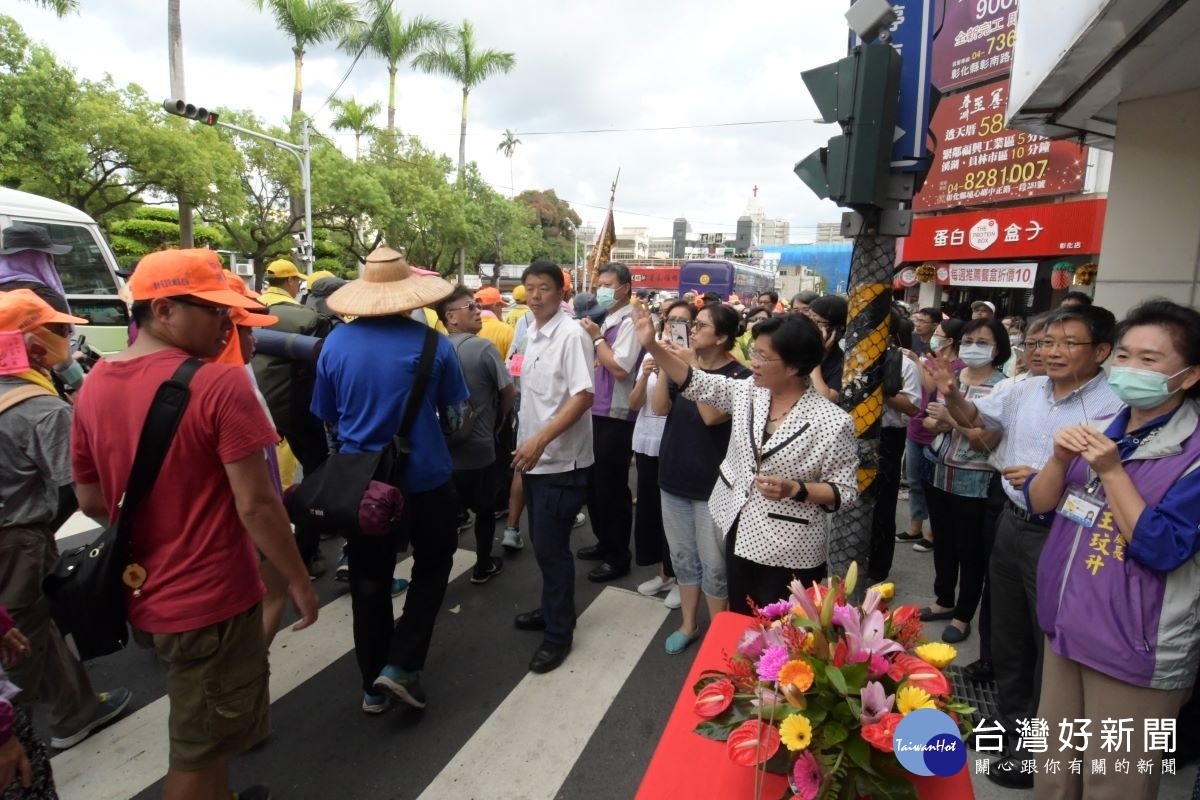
(802, 493)
(597, 341)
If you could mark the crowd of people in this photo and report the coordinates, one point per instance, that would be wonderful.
(1058, 498)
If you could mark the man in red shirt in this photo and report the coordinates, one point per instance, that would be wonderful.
(200, 603)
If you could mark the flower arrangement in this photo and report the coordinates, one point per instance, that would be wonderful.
(817, 686)
(927, 273)
(1086, 274)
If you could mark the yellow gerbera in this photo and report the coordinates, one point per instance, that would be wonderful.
(796, 732)
(886, 590)
(798, 673)
(910, 698)
(936, 654)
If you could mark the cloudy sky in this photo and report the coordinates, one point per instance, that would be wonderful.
(615, 64)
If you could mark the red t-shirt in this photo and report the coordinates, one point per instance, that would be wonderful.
(201, 565)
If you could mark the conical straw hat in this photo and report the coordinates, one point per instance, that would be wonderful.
(387, 286)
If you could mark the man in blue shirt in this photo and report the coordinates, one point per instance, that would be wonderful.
(365, 375)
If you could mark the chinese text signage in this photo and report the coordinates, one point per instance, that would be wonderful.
(1037, 231)
(975, 42)
(996, 276)
(978, 161)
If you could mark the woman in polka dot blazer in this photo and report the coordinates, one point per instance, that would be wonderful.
(792, 458)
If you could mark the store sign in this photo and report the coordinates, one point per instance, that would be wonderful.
(1039, 231)
(978, 161)
(974, 43)
(995, 276)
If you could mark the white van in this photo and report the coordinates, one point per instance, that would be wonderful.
(88, 271)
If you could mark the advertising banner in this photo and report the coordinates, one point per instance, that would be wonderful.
(1018, 275)
(978, 161)
(974, 43)
(1037, 231)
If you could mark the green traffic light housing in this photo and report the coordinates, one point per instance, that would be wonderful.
(182, 108)
(860, 93)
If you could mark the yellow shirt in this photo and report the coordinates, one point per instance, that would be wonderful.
(515, 313)
(497, 333)
(273, 295)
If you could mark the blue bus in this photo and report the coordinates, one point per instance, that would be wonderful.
(725, 278)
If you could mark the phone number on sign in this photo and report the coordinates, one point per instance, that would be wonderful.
(1002, 176)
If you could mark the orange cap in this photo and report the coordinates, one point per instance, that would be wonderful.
(238, 284)
(22, 310)
(488, 296)
(248, 319)
(566, 280)
(196, 273)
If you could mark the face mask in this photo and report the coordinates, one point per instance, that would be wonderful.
(1141, 388)
(57, 348)
(976, 355)
(1016, 341)
(605, 297)
(935, 343)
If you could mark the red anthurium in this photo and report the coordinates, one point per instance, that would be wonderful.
(879, 734)
(921, 674)
(752, 742)
(714, 698)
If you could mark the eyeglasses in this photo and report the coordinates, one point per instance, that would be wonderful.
(758, 357)
(472, 306)
(1051, 344)
(700, 325)
(220, 311)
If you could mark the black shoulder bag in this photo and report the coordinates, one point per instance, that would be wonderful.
(85, 589)
(349, 492)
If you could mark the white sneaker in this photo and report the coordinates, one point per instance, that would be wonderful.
(672, 600)
(580, 520)
(655, 585)
(512, 540)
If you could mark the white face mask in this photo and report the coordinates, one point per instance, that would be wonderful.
(976, 355)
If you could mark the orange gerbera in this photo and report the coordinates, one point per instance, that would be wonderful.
(798, 673)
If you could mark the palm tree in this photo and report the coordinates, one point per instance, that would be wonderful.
(59, 7)
(308, 22)
(507, 145)
(352, 116)
(386, 34)
(461, 59)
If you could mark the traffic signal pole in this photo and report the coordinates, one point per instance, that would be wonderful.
(302, 153)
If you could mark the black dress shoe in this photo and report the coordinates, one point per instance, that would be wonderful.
(549, 656)
(607, 572)
(980, 671)
(1006, 772)
(593, 552)
(530, 621)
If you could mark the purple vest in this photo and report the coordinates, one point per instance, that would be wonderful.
(612, 396)
(1103, 609)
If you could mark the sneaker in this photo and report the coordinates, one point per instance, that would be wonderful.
(256, 792)
(402, 685)
(923, 546)
(342, 573)
(376, 703)
(399, 585)
(317, 567)
(655, 585)
(512, 540)
(672, 600)
(580, 520)
(493, 568)
(110, 707)
(465, 521)
(909, 536)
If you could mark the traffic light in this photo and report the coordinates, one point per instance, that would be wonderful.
(859, 93)
(182, 108)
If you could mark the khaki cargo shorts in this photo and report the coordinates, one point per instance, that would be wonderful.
(218, 688)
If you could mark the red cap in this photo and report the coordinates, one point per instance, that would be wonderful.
(196, 273)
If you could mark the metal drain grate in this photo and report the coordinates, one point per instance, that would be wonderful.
(982, 696)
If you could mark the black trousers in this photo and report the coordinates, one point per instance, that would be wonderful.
(306, 438)
(429, 524)
(649, 539)
(750, 581)
(959, 557)
(477, 491)
(991, 518)
(552, 501)
(609, 501)
(1016, 636)
(882, 547)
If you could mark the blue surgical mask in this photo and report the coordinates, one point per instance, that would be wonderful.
(606, 297)
(935, 343)
(1141, 388)
(976, 355)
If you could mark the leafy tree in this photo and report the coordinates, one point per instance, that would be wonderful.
(508, 146)
(387, 35)
(308, 22)
(59, 7)
(462, 60)
(149, 229)
(354, 117)
(555, 220)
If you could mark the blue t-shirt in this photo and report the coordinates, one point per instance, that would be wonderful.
(364, 376)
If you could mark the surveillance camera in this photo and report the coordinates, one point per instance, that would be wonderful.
(871, 18)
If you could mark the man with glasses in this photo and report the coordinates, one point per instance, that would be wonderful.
(474, 453)
(925, 322)
(1072, 346)
(199, 531)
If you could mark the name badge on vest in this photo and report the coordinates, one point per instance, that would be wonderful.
(1080, 506)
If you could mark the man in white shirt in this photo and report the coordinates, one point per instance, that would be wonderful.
(610, 503)
(554, 453)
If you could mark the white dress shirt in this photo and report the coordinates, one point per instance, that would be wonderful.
(557, 366)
